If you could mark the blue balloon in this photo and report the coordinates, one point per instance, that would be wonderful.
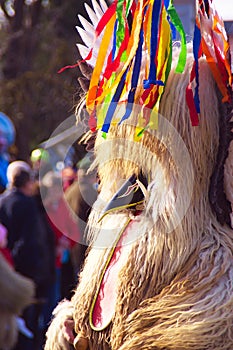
(7, 128)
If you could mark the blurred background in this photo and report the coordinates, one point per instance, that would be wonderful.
(38, 37)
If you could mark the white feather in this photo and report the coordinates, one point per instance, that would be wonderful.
(103, 5)
(83, 50)
(87, 33)
(92, 15)
(86, 25)
(97, 9)
(87, 36)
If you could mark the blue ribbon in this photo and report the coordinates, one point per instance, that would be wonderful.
(196, 47)
(113, 104)
(135, 77)
(173, 28)
(156, 11)
(114, 40)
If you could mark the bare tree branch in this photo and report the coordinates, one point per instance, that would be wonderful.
(19, 15)
(4, 10)
(35, 12)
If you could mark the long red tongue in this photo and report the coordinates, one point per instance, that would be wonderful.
(103, 306)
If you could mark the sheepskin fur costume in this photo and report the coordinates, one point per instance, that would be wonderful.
(174, 290)
(16, 292)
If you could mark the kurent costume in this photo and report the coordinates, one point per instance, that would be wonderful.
(159, 271)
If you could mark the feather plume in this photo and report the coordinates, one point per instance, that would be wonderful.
(87, 33)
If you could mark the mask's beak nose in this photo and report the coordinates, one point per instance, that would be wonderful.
(129, 195)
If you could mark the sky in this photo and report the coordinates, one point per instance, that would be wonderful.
(225, 9)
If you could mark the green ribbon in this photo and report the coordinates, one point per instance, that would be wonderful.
(169, 63)
(175, 19)
(120, 33)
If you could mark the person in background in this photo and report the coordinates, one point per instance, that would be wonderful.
(66, 233)
(3, 246)
(50, 259)
(80, 197)
(20, 215)
(69, 175)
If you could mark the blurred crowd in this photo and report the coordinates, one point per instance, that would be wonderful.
(43, 214)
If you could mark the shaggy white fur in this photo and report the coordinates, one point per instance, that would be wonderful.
(175, 291)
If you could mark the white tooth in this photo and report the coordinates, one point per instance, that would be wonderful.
(87, 37)
(93, 17)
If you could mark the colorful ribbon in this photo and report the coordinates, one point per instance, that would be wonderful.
(136, 51)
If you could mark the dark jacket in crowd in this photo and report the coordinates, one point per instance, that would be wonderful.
(26, 237)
